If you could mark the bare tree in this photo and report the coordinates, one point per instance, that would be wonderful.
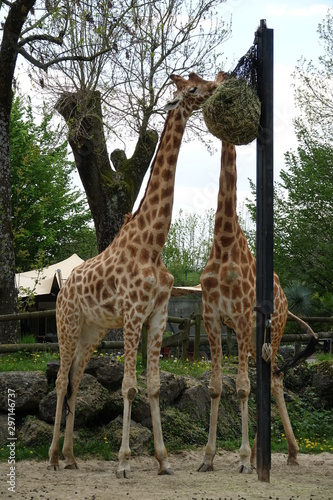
(118, 95)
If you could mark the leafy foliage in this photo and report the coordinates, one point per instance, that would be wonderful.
(50, 219)
(188, 245)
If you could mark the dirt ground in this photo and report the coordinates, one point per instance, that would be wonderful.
(96, 480)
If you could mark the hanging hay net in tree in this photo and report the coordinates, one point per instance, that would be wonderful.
(232, 113)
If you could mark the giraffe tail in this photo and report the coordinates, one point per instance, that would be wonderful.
(305, 353)
(68, 395)
(302, 323)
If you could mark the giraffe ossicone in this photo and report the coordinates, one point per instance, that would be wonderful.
(126, 286)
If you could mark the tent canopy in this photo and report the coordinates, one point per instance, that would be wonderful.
(42, 282)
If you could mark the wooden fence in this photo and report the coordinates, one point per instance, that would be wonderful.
(184, 343)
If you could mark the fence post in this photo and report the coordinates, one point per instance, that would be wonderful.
(229, 341)
(144, 343)
(197, 337)
(186, 338)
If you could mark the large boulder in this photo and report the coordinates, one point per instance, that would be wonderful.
(107, 370)
(140, 437)
(29, 388)
(91, 401)
(322, 382)
(34, 432)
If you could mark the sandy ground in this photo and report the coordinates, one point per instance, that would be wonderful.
(96, 480)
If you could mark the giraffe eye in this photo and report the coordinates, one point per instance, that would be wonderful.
(192, 90)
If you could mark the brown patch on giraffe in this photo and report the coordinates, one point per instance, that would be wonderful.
(154, 200)
(134, 296)
(160, 239)
(225, 291)
(210, 282)
(144, 257)
(229, 207)
(218, 224)
(158, 225)
(166, 192)
(217, 250)
(165, 211)
(227, 240)
(228, 227)
(171, 160)
(141, 222)
(230, 181)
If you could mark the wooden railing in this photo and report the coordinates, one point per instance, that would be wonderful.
(182, 340)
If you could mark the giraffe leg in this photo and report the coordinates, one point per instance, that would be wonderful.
(61, 386)
(155, 334)
(66, 359)
(243, 391)
(213, 329)
(90, 337)
(277, 390)
(129, 391)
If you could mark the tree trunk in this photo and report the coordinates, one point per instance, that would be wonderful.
(9, 331)
(12, 27)
(110, 193)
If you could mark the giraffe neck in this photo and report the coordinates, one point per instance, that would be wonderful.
(155, 210)
(226, 219)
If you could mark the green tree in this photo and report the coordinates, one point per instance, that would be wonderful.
(303, 217)
(314, 87)
(49, 217)
(188, 245)
(29, 29)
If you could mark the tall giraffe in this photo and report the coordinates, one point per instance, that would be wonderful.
(229, 294)
(126, 285)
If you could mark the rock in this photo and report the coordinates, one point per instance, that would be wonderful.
(195, 401)
(34, 432)
(178, 428)
(3, 429)
(322, 381)
(92, 398)
(172, 386)
(140, 437)
(141, 406)
(29, 389)
(108, 371)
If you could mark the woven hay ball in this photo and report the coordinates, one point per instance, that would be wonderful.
(232, 112)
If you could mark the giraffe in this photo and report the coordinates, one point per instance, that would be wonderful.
(229, 294)
(126, 286)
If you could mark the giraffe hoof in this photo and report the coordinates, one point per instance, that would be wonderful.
(123, 474)
(292, 461)
(53, 467)
(205, 468)
(245, 469)
(166, 472)
(71, 466)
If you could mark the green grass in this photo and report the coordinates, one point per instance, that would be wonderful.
(26, 361)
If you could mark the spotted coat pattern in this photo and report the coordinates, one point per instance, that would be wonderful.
(126, 286)
(229, 295)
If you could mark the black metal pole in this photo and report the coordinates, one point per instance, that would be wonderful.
(264, 279)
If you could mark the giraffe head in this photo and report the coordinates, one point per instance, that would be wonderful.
(192, 93)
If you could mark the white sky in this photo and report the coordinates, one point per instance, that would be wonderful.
(295, 26)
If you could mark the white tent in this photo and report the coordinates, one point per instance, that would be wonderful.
(42, 282)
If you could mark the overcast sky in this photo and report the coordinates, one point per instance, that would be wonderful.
(295, 26)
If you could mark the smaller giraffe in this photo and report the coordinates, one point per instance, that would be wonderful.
(126, 285)
(229, 295)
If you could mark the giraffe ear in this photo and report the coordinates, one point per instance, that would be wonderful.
(221, 76)
(172, 104)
